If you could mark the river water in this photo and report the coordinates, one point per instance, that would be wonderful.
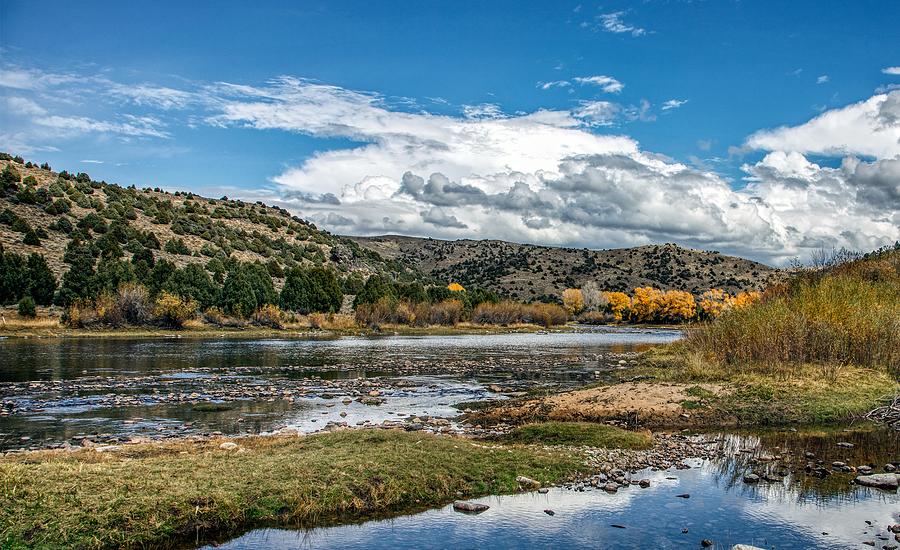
(57, 392)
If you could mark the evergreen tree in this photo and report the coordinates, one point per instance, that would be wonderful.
(13, 273)
(78, 281)
(193, 282)
(376, 287)
(111, 273)
(261, 282)
(325, 295)
(295, 293)
(41, 282)
(238, 297)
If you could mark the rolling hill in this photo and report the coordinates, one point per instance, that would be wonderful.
(526, 272)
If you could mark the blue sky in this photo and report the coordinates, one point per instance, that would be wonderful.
(193, 95)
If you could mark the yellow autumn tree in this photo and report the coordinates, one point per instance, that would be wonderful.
(744, 299)
(714, 302)
(645, 304)
(675, 306)
(573, 300)
(618, 303)
(455, 287)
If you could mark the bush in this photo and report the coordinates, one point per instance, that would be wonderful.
(133, 303)
(503, 313)
(27, 308)
(80, 314)
(547, 315)
(595, 318)
(173, 311)
(268, 316)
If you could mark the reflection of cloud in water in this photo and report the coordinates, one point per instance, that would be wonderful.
(653, 518)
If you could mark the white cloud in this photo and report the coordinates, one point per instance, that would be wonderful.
(91, 161)
(606, 83)
(23, 106)
(891, 70)
(597, 113)
(547, 176)
(612, 22)
(868, 128)
(134, 126)
(673, 104)
(554, 84)
(822, 79)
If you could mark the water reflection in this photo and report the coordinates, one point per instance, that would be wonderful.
(53, 389)
(797, 513)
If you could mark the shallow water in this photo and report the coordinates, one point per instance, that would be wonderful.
(55, 389)
(800, 512)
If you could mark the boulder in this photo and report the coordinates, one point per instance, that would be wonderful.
(471, 507)
(228, 446)
(751, 478)
(527, 482)
(880, 481)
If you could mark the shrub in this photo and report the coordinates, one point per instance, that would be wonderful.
(27, 308)
(547, 315)
(448, 312)
(595, 318)
(80, 314)
(573, 300)
(503, 313)
(173, 311)
(133, 303)
(268, 316)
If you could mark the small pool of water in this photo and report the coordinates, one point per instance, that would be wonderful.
(801, 512)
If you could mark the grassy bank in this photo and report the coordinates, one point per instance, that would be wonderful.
(579, 433)
(52, 328)
(159, 495)
(823, 347)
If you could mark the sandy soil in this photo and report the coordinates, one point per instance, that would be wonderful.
(634, 403)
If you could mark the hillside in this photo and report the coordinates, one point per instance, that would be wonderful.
(180, 227)
(525, 271)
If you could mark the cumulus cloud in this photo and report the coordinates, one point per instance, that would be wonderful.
(548, 176)
(891, 70)
(437, 216)
(867, 128)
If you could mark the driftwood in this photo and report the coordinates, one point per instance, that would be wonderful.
(888, 414)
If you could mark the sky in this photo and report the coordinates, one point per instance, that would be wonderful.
(763, 129)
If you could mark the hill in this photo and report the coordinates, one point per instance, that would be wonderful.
(39, 207)
(526, 271)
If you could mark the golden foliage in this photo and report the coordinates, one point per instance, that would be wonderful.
(455, 287)
(573, 300)
(619, 304)
(174, 311)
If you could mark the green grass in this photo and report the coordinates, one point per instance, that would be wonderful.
(579, 434)
(165, 495)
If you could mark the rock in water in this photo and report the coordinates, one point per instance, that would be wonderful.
(880, 481)
(472, 507)
(706, 543)
(751, 478)
(550, 512)
(745, 547)
(685, 495)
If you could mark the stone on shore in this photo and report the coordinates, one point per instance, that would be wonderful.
(228, 446)
(527, 482)
(880, 481)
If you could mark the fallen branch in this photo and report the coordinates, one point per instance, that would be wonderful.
(888, 414)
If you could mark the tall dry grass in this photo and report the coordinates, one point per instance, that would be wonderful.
(844, 314)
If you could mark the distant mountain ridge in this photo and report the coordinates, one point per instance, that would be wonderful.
(527, 272)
